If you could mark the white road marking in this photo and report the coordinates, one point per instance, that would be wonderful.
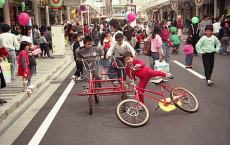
(190, 70)
(36, 139)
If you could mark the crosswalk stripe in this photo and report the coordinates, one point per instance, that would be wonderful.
(190, 70)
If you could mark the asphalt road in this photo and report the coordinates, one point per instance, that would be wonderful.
(209, 126)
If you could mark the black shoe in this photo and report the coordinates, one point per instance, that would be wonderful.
(2, 101)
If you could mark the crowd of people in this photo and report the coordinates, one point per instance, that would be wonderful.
(205, 37)
(119, 39)
(20, 46)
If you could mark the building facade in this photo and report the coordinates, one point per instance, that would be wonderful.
(169, 9)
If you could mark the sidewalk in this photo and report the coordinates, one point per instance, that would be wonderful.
(14, 94)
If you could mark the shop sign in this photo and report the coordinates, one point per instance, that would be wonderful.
(174, 5)
(44, 2)
(199, 2)
(15, 2)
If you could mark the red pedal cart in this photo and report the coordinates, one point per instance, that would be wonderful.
(96, 87)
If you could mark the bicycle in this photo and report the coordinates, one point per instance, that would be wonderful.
(134, 113)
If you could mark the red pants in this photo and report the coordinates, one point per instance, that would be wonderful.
(145, 79)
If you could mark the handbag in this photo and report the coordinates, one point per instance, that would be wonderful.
(147, 48)
(37, 51)
(5, 68)
(170, 43)
(161, 66)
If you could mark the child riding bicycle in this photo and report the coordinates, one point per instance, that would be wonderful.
(89, 52)
(135, 67)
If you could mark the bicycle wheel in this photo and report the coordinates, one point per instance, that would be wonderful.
(132, 113)
(90, 100)
(184, 100)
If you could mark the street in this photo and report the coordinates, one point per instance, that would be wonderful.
(72, 125)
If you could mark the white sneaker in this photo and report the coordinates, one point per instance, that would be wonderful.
(29, 90)
(209, 82)
(73, 77)
(169, 76)
(79, 78)
(115, 83)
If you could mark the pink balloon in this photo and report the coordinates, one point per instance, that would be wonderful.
(23, 18)
(131, 17)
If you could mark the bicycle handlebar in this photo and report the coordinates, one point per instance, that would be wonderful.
(115, 61)
(89, 62)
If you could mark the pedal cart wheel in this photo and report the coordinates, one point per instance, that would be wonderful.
(96, 98)
(184, 100)
(90, 100)
(132, 113)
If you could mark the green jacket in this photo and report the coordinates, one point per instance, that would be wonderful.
(208, 44)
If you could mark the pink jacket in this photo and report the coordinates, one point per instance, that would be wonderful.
(188, 49)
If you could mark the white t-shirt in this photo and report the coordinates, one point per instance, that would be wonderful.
(216, 27)
(120, 49)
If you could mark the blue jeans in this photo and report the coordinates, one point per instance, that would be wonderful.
(115, 72)
(188, 59)
(12, 59)
(155, 56)
(166, 50)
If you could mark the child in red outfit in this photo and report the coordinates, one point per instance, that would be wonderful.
(23, 63)
(135, 67)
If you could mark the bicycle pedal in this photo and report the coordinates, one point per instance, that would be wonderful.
(157, 107)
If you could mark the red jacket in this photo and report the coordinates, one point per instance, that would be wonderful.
(23, 69)
(141, 72)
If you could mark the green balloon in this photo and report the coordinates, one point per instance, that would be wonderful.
(23, 6)
(2, 3)
(195, 20)
(173, 29)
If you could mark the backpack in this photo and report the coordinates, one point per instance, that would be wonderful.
(32, 59)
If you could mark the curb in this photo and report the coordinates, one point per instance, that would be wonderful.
(11, 106)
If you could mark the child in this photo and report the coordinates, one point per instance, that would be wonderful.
(23, 63)
(188, 50)
(44, 45)
(106, 43)
(143, 72)
(176, 42)
(76, 46)
(118, 48)
(207, 46)
(89, 52)
(165, 38)
(139, 38)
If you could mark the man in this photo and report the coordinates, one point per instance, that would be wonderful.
(10, 42)
(48, 37)
(36, 34)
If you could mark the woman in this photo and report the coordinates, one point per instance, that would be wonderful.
(115, 28)
(129, 37)
(156, 45)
